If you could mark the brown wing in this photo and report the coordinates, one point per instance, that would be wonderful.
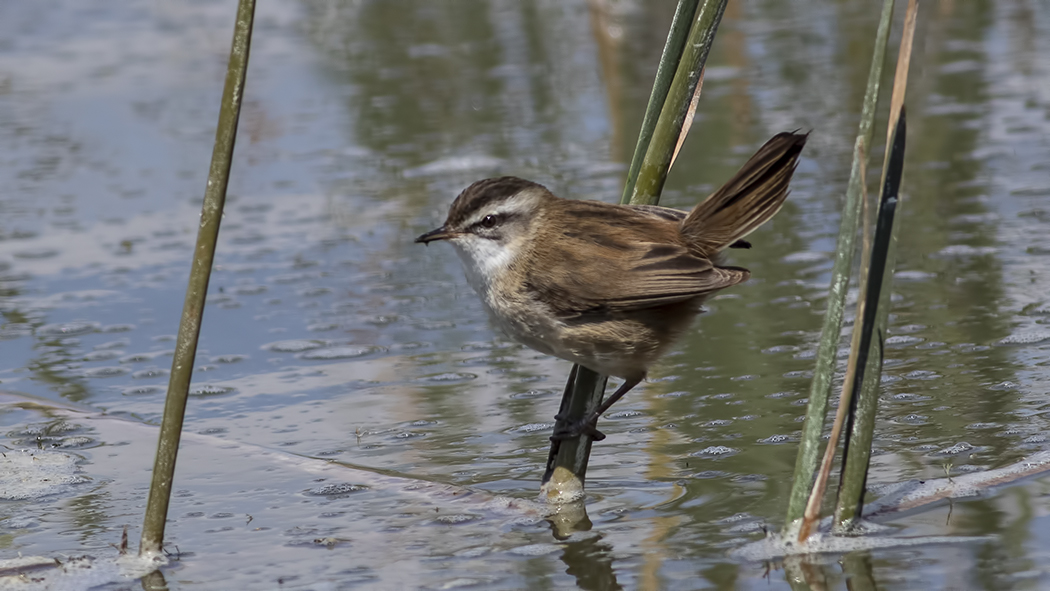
(677, 215)
(608, 262)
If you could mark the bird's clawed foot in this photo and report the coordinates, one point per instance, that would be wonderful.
(586, 426)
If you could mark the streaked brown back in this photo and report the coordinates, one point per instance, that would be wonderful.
(610, 259)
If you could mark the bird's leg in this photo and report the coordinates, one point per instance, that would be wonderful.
(589, 424)
(624, 388)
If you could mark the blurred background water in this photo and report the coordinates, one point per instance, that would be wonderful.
(330, 335)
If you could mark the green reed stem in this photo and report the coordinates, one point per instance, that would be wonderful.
(566, 472)
(877, 290)
(659, 153)
(865, 386)
(665, 72)
(200, 271)
(564, 478)
(820, 388)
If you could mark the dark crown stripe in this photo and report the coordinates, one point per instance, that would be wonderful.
(484, 193)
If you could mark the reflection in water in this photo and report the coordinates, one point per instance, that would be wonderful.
(53, 367)
(334, 336)
(590, 561)
(154, 582)
(857, 568)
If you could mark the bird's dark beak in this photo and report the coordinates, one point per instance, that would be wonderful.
(441, 233)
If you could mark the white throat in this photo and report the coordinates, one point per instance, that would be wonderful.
(483, 261)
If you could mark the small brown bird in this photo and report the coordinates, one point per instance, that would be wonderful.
(609, 287)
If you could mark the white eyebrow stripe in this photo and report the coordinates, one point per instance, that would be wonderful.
(520, 203)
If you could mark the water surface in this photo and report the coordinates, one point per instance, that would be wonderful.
(329, 335)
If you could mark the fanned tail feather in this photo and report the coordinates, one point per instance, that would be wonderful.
(754, 194)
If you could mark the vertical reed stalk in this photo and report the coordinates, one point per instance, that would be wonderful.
(857, 453)
(567, 460)
(193, 308)
(858, 403)
(871, 323)
(676, 107)
(684, 55)
(820, 388)
(665, 72)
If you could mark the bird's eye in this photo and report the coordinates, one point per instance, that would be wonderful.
(489, 221)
